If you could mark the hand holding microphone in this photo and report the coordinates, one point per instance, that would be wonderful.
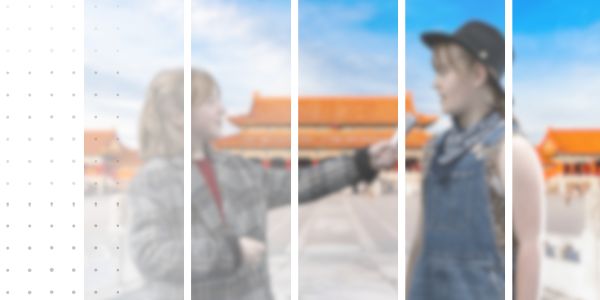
(384, 154)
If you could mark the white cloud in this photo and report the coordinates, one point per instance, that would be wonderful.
(339, 56)
(565, 97)
(148, 36)
(245, 45)
(246, 49)
(557, 80)
(136, 39)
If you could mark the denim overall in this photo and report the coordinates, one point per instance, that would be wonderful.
(459, 259)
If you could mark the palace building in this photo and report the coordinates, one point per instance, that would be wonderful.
(571, 159)
(571, 151)
(328, 126)
(108, 164)
(418, 136)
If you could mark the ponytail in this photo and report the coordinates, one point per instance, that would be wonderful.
(498, 94)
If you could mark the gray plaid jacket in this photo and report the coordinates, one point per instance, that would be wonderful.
(248, 191)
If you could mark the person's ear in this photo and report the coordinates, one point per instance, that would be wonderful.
(480, 74)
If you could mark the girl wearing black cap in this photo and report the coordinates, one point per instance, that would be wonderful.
(461, 252)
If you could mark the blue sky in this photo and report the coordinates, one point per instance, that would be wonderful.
(376, 16)
(345, 47)
(137, 39)
(245, 44)
(348, 47)
(425, 15)
(557, 64)
(546, 16)
(556, 75)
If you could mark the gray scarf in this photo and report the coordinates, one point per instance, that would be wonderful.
(459, 140)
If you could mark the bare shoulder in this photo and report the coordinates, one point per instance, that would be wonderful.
(526, 163)
(523, 150)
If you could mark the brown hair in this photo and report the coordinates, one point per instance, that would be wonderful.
(459, 59)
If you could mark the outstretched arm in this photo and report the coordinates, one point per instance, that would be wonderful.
(330, 175)
(528, 218)
(316, 181)
(334, 174)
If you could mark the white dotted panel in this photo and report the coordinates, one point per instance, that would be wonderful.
(41, 149)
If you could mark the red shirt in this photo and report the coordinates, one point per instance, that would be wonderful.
(206, 168)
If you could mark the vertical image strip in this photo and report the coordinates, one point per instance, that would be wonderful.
(241, 165)
(348, 149)
(401, 134)
(294, 216)
(508, 154)
(455, 149)
(556, 153)
(133, 165)
(187, 146)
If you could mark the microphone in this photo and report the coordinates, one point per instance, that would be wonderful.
(411, 122)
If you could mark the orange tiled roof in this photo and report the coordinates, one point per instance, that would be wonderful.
(417, 138)
(307, 139)
(423, 120)
(266, 111)
(566, 142)
(553, 170)
(326, 110)
(130, 157)
(255, 139)
(99, 142)
(322, 110)
(570, 141)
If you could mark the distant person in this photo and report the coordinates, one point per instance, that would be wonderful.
(231, 196)
(460, 248)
